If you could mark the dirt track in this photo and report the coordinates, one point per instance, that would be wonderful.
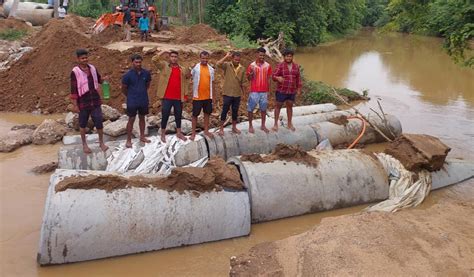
(437, 241)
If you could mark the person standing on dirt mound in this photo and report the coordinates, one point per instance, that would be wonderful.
(85, 80)
(234, 78)
(135, 85)
(144, 26)
(288, 76)
(172, 89)
(203, 79)
(259, 73)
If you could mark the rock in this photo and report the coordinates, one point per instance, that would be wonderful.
(72, 120)
(186, 127)
(48, 132)
(15, 139)
(153, 121)
(116, 128)
(24, 126)
(45, 168)
(417, 152)
(110, 113)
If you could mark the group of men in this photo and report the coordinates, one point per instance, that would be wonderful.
(173, 80)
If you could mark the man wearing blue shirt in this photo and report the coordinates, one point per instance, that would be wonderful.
(135, 85)
(143, 25)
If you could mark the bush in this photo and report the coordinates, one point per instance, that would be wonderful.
(241, 41)
(316, 92)
(12, 34)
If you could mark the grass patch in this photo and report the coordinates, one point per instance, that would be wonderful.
(12, 34)
(242, 42)
(315, 92)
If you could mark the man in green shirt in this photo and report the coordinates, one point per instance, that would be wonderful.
(234, 77)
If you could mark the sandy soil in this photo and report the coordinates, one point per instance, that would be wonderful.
(437, 241)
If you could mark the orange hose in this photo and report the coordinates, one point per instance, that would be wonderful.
(364, 125)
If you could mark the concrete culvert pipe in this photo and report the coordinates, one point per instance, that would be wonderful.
(37, 17)
(306, 110)
(87, 224)
(27, 6)
(340, 179)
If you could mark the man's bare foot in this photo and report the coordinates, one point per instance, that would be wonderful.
(86, 149)
(145, 140)
(208, 134)
(251, 130)
(221, 132)
(103, 147)
(291, 127)
(181, 137)
(275, 128)
(263, 128)
(192, 137)
(163, 138)
(128, 144)
(236, 131)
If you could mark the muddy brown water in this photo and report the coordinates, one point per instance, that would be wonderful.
(415, 79)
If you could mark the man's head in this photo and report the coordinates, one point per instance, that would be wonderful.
(204, 56)
(288, 55)
(82, 56)
(236, 57)
(136, 61)
(173, 57)
(261, 54)
(144, 15)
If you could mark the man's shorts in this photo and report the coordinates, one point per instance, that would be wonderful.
(282, 97)
(204, 105)
(144, 32)
(259, 98)
(133, 110)
(95, 113)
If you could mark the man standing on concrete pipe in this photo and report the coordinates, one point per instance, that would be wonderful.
(288, 76)
(259, 73)
(203, 79)
(135, 85)
(85, 80)
(234, 74)
(172, 89)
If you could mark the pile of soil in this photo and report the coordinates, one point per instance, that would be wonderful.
(437, 240)
(417, 152)
(215, 175)
(199, 33)
(12, 23)
(109, 35)
(283, 152)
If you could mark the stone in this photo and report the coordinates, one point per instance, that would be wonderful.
(72, 120)
(116, 128)
(24, 126)
(136, 128)
(48, 132)
(416, 152)
(153, 121)
(110, 113)
(186, 127)
(15, 139)
(45, 168)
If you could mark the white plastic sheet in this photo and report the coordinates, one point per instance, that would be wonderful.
(404, 192)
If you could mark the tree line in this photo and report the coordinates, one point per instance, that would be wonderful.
(310, 22)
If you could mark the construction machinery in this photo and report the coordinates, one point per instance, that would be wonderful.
(132, 10)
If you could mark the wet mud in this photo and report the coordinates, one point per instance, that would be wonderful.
(283, 152)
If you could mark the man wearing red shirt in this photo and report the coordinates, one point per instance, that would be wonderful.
(288, 76)
(172, 88)
(259, 73)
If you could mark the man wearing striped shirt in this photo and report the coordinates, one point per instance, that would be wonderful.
(259, 73)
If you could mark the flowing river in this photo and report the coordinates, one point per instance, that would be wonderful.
(413, 77)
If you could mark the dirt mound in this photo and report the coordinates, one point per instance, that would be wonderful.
(199, 33)
(109, 35)
(215, 175)
(12, 23)
(284, 152)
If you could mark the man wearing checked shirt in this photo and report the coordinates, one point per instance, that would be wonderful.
(288, 76)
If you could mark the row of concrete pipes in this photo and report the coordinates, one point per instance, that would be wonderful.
(81, 225)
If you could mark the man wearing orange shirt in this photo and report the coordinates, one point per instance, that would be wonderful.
(203, 78)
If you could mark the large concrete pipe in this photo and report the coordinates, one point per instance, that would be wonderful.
(308, 137)
(73, 157)
(306, 110)
(341, 178)
(80, 225)
(28, 6)
(37, 17)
